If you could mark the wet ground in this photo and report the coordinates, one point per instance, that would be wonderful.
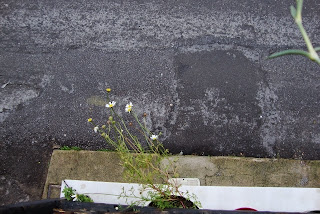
(197, 68)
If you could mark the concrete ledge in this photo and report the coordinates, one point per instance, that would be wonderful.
(82, 165)
(238, 171)
(212, 171)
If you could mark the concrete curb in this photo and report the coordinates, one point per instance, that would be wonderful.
(212, 171)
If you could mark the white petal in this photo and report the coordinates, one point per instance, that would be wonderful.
(95, 129)
(154, 137)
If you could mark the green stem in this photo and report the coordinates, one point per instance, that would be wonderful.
(298, 19)
(312, 53)
(143, 127)
(146, 132)
(125, 127)
(293, 51)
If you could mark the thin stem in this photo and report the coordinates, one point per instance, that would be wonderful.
(311, 54)
(125, 127)
(143, 127)
(132, 145)
(298, 19)
(292, 51)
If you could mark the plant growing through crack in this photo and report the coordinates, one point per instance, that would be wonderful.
(141, 154)
(312, 52)
(75, 148)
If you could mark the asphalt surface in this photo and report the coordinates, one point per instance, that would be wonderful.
(197, 68)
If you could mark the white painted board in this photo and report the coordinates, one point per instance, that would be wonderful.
(278, 199)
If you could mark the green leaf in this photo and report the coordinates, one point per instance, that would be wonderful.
(76, 148)
(317, 49)
(293, 11)
(68, 192)
(84, 198)
(287, 52)
(65, 148)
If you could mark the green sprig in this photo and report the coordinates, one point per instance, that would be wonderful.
(312, 52)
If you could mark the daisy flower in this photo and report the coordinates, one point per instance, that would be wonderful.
(154, 137)
(129, 107)
(110, 104)
(75, 197)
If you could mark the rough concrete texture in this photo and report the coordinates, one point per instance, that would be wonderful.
(240, 171)
(83, 165)
(212, 171)
(197, 68)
